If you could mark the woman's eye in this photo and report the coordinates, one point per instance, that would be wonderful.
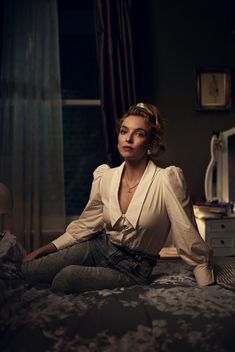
(140, 134)
(122, 132)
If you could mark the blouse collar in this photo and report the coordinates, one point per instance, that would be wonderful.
(136, 203)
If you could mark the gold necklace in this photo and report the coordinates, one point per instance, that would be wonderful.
(130, 188)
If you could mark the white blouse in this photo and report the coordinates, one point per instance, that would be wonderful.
(160, 203)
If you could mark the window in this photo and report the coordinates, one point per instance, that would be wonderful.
(83, 131)
(82, 123)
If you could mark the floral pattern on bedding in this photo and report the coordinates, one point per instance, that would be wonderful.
(171, 314)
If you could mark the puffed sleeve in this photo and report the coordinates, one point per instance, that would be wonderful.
(91, 219)
(189, 244)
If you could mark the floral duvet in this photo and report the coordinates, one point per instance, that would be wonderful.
(171, 314)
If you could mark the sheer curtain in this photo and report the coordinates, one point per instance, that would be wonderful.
(116, 66)
(31, 154)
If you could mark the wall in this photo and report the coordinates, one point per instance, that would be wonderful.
(171, 39)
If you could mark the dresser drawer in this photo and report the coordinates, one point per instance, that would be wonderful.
(219, 234)
(218, 242)
(220, 226)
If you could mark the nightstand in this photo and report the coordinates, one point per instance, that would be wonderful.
(219, 233)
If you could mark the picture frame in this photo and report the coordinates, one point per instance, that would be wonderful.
(213, 89)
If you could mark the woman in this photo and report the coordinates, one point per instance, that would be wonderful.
(116, 240)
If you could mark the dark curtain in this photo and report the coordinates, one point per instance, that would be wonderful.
(115, 54)
(31, 139)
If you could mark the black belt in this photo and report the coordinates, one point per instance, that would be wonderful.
(138, 255)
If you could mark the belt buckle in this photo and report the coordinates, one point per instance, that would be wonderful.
(138, 257)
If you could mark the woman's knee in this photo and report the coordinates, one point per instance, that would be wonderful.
(64, 281)
(78, 278)
(38, 271)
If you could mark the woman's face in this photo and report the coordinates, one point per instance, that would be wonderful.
(134, 138)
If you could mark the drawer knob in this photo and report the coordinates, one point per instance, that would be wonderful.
(222, 241)
(222, 226)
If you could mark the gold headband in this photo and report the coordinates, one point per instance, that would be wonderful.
(144, 107)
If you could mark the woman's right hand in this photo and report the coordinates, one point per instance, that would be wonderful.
(31, 256)
(37, 253)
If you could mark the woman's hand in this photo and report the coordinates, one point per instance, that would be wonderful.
(37, 253)
(31, 256)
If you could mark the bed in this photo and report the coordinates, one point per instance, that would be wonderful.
(171, 314)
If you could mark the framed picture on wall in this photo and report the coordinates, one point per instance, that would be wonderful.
(213, 89)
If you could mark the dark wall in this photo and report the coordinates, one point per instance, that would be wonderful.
(171, 39)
